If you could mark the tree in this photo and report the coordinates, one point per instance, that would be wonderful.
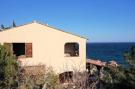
(8, 68)
(130, 70)
(2, 26)
(121, 77)
(14, 24)
(114, 78)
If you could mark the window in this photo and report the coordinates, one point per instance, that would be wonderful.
(66, 77)
(71, 49)
(19, 49)
(22, 49)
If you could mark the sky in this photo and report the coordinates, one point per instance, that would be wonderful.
(97, 20)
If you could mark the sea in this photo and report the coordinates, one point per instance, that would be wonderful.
(108, 51)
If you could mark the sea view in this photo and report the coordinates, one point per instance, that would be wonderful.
(67, 44)
(108, 51)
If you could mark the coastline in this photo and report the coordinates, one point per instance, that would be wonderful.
(108, 51)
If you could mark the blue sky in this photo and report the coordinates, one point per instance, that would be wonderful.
(98, 20)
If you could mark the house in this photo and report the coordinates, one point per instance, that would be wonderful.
(36, 43)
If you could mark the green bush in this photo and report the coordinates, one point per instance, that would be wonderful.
(8, 68)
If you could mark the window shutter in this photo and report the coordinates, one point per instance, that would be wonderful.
(28, 49)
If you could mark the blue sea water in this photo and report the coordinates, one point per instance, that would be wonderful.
(108, 51)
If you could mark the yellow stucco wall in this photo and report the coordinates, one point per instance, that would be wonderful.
(48, 46)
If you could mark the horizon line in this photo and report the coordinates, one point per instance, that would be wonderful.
(113, 42)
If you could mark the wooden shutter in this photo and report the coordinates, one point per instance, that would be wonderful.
(28, 49)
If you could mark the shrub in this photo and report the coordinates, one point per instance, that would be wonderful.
(8, 68)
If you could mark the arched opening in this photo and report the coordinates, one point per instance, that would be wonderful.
(71, 49)
(66, 77)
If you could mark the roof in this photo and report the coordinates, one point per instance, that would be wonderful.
(96, 62)
(47, 26)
